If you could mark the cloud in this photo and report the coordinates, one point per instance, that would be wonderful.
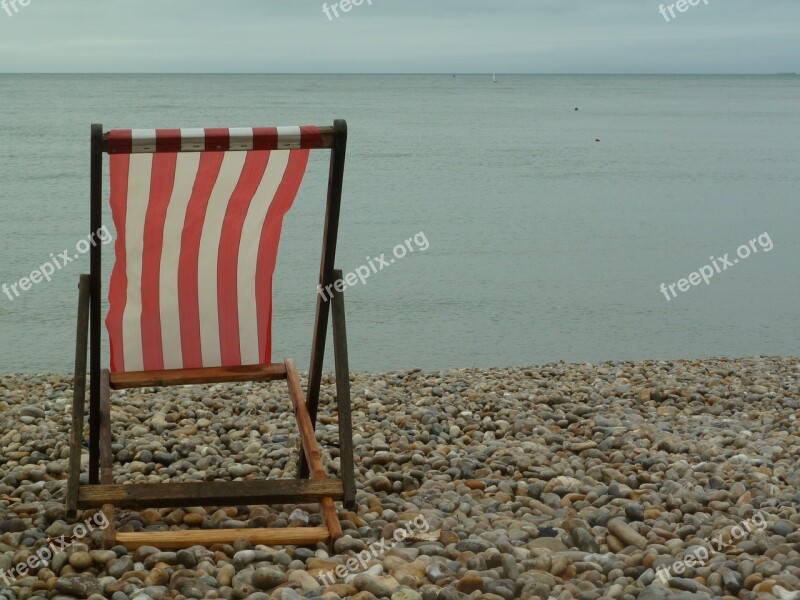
(540, 36)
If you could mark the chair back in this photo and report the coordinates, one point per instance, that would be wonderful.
(198, 214)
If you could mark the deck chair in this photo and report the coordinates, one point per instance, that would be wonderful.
(198, 214)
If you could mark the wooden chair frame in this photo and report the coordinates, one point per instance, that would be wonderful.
(311, 485)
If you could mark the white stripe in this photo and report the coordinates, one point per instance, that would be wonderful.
(248, 255)
(241, 138)
(138, 199)
(289, 138)
(185, 173)
(143, 140)
(229, 174)
(193, 139)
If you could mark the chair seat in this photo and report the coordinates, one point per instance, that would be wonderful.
(136, 379)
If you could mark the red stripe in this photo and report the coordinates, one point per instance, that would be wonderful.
(118, 288)
(268, 247)
(227, 285)
(119, 141)
(161, 184)
(168, 140)
(310, 136)
(188, 302)
(265, 138)
(218, 139)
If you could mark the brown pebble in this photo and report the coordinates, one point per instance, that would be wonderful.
(614, 544)
(343, 590)
(627, 534)
(193, 519)
(753, 580)
(470, 582)
(652, 513)
(448, 537)
(764, 586)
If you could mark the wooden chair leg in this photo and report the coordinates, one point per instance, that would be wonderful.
(343, 400)
(310, 448)
(106, 456)
(78, 398)
(315, 368)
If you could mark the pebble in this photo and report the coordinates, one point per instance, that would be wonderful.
(560, 482)
(348, 544)
(378, 586)
(627, 534)
(81, 560)
(266, 578)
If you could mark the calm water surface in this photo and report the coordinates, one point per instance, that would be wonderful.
(544, 243)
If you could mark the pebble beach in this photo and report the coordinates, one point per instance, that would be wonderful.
(561, 481)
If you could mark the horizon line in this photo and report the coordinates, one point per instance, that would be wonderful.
(482, 73)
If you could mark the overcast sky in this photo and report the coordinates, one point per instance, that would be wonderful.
(409, 36)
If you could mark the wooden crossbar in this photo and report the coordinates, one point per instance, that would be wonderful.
(193, 376)
(283, 536)
(209, 493)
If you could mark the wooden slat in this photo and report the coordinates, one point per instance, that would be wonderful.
(307, 438)
(110, 532)
(327, 261)
(285, 536)
(96, 287)
(343, 401)
(317, 360)
(216, 493)
(78, 398)
(106, 456)
(191, 376)
(310, 448)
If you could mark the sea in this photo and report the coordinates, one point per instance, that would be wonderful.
(550, 209)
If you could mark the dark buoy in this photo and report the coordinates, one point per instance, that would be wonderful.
(576, 108)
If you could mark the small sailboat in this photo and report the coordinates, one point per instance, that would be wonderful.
(494, 77)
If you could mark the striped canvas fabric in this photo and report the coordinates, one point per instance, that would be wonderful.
(198, 215)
